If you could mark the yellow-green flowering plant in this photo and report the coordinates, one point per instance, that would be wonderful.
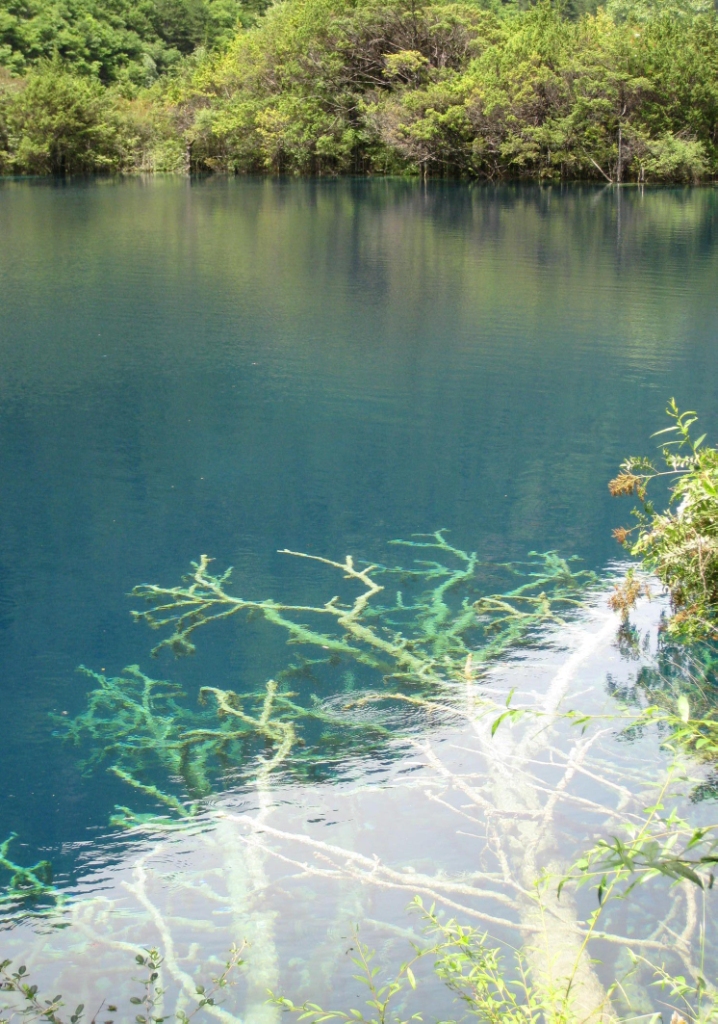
(680, 545)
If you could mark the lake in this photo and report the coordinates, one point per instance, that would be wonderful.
(238, 367)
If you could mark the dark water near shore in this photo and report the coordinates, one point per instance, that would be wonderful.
(235, 367)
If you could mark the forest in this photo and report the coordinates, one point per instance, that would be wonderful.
(626, 92)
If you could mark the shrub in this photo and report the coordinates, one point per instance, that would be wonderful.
(680, 545)
(56, 122)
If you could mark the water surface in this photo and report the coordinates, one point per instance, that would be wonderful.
(237, 367)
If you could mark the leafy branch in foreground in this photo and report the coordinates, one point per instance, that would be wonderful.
(380, 994)
(660, 840)
(663, 843)
(680, 545)
(471, 968)
(476, 973)
(31, 1006)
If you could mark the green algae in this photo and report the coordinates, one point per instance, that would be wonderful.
(31, 890)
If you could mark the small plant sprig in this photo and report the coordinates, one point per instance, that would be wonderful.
(30, 1006)
(680, 545)
(663, 843)
(474, 971)
(378, 1002)
(697, 1000)
(208, 996)
(153, 992)
(470, 966)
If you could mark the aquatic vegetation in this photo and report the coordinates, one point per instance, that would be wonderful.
(139, 725)
(425, 632)
(30, 889)
(679, 546)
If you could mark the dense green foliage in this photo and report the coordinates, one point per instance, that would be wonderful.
(447, 87)
(680, 545)
(115, 40)
(451, 87)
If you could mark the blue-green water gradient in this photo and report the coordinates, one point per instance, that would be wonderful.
(234, 367)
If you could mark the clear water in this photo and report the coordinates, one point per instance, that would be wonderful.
(237, 367)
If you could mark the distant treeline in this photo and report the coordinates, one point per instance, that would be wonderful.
(626, 92)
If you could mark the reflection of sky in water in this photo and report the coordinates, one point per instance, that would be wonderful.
(240, 367)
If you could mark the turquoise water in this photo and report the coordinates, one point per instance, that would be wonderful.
(238, 367)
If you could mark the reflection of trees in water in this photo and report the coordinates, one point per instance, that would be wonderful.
(680, 677)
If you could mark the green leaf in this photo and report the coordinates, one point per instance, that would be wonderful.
(497, 722)
(686, 872)
(684, 708)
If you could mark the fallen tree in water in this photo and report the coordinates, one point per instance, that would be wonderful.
(528, 778)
